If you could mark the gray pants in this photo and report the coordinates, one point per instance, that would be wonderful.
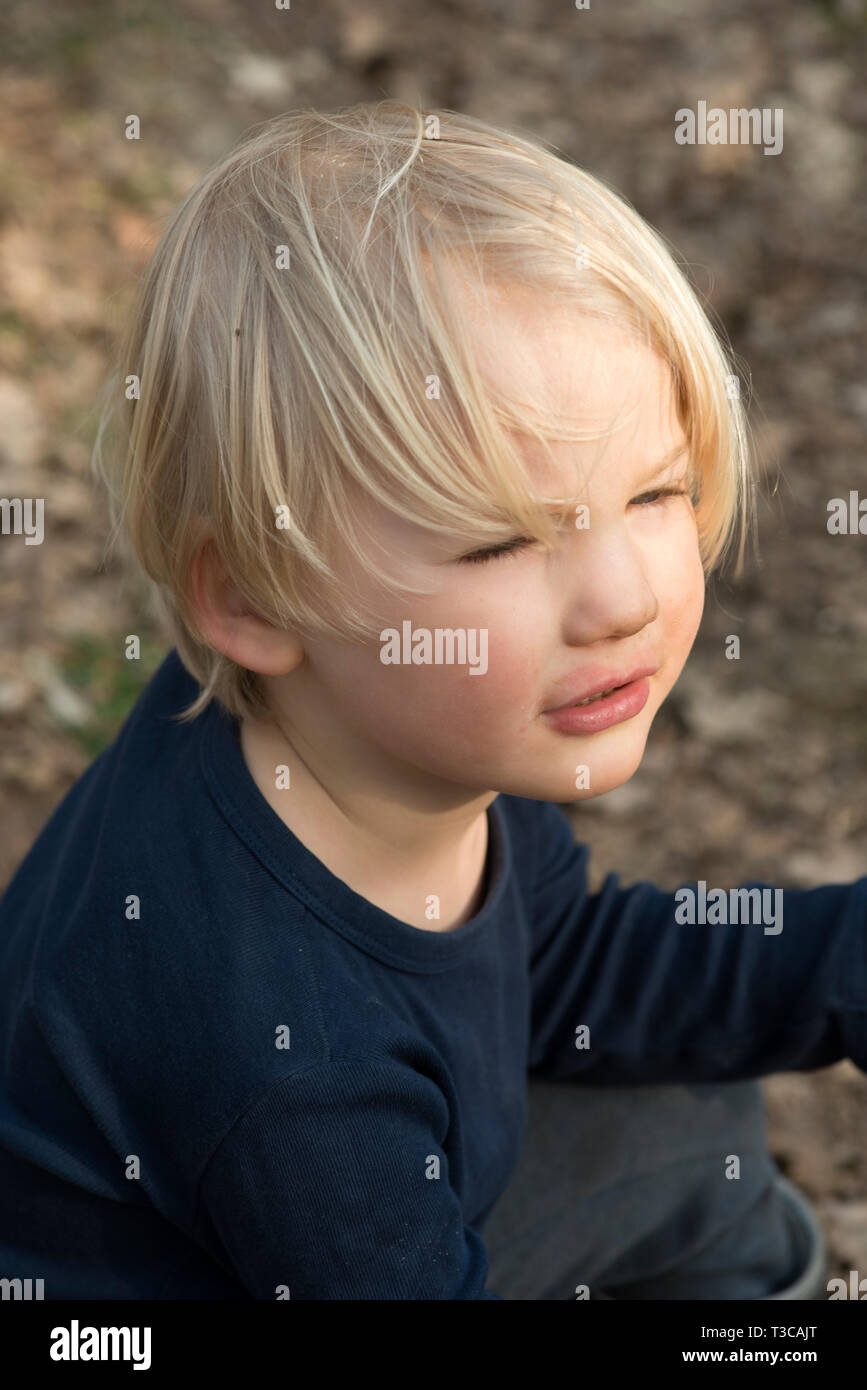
(624, 1189)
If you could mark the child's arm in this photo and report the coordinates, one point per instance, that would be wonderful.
(666, 1001)
(327, 1188)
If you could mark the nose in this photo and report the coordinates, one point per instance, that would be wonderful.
(607, 588)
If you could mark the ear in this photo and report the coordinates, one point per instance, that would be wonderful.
(229, 625)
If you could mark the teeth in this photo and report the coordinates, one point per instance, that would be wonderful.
(591, 698)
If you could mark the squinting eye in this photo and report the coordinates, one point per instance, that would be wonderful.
(659, 495)
(478, 557)
(517, 543)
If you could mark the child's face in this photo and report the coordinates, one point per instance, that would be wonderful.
(625, 593)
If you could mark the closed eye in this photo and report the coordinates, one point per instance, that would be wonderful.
(509, 547)
(517, 543)
(659, 494)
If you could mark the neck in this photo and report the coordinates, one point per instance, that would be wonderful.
(416, 850)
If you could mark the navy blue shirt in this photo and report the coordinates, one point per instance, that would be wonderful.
(225, 1074)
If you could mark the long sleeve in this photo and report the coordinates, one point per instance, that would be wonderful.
(665, 1000)
(327, 1188)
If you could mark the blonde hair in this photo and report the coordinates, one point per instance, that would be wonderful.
(285, 330)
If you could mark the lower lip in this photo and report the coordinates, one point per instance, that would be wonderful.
(623, 703)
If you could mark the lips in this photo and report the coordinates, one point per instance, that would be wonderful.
(591, 698)
(592, 716)
(594, 685)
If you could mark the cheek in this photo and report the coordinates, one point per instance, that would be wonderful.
(441, 703)
(680, 587)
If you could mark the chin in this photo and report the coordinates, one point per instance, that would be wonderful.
(609, 767)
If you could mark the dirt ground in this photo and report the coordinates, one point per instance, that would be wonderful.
(755, 768)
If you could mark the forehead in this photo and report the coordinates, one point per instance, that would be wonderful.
(548, 358)
(542, 352)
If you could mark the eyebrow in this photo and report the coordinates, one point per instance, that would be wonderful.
(559, 506)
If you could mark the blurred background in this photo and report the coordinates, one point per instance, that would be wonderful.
(755, 769)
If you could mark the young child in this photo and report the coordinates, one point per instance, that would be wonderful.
(428, 447)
